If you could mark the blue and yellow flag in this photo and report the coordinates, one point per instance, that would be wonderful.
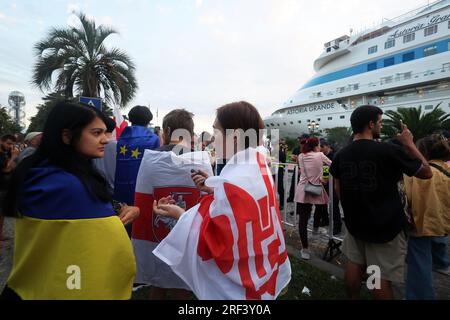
(69, 245)
(132, 143)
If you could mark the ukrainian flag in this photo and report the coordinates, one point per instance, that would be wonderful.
(69, 245)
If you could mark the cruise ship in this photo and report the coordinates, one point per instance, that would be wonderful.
(403, 62)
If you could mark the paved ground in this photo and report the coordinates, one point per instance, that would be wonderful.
(319, 244)
(6, 252)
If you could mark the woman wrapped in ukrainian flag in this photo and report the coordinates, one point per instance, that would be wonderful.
(69, 243)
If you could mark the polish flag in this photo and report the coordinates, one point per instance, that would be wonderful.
(231, 246)
(120, 123)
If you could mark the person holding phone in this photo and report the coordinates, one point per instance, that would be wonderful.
(366, 174)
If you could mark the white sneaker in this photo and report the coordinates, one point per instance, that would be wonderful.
(305, 254)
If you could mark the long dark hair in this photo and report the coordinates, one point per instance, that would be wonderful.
(64, 116)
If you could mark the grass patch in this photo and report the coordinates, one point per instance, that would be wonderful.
(321, 285)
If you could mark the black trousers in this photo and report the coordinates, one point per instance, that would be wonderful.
(320, 219)
(292, 188)
(281, 186)
(337, 220)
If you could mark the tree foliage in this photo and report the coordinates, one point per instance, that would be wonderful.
(339, 136)
(419, 123)
(7, 125)
(81, 64)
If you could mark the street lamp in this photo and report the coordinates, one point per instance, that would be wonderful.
(313, 126)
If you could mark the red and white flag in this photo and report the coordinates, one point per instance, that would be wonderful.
(120, 123)
(162, 174)
(231, 245)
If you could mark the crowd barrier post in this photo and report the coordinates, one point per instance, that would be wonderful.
(334, 243)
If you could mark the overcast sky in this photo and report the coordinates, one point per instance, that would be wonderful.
(195, 54)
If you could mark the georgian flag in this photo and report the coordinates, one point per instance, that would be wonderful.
(120, 123)
(231, 245)
(162, 174)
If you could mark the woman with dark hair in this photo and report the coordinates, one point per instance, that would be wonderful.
(429, 202)
(237, 222)
(311, 162)
(69, 243)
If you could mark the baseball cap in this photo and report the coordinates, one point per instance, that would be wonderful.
(30, 136)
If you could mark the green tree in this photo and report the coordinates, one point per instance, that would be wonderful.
(339, 136)
(79, 61)
(7, 125)
(37, 122)
(419, 123)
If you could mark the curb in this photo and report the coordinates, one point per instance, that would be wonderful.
(318, 263)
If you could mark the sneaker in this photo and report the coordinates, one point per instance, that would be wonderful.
(305, 254)
(444, 271)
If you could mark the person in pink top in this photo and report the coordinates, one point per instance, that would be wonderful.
(312, 159)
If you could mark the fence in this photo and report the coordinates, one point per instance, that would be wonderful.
(334, 242)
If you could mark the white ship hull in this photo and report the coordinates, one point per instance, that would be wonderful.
(365, 69)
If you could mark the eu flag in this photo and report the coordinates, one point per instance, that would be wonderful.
(132, 143)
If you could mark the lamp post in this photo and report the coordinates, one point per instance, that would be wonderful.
(312, 126)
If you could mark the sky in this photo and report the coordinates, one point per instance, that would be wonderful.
(195, 54)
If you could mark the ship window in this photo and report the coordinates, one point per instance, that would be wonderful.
(299, 121)
(292, 122)
(330, 118)
(430, 30)
(449, 24)
(373, 49)
(308, 120)
(340, 89)
(408, 56)
(429, 51)
(342, 117)
(278, 124)
(328, 49)
(267, 125)
(389, 44)
(372, 66)
(389, 62)
(272, 125)
(284, 123)
(318, 119)
(429, 107)
(409, 37)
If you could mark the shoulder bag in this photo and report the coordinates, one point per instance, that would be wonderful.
(311, 188)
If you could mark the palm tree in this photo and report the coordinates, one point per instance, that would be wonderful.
(82, 63)
(420, 124)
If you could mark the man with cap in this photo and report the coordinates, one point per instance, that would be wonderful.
(133, 142)
(33, 140)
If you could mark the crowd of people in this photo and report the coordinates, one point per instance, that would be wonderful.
(395, 199)
(149, 208)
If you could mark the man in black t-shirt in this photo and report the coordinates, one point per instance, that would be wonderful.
(366, 174)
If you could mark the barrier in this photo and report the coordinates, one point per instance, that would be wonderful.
(334, 242)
